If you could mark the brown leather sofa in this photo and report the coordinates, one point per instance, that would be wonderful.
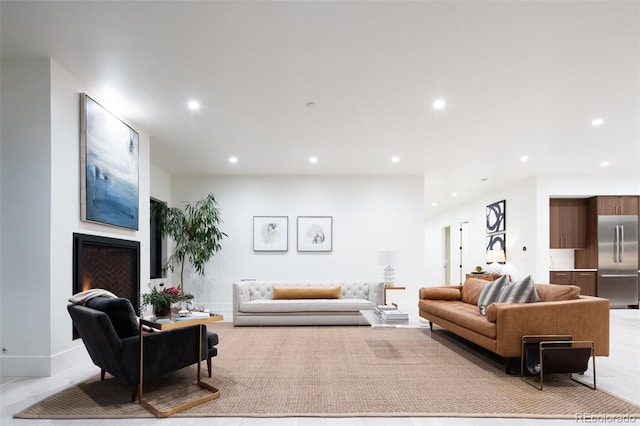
(562, 310)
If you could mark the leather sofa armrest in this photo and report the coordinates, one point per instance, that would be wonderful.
(586, 318)
(448, 292)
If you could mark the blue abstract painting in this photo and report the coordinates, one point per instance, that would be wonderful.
(109, 147)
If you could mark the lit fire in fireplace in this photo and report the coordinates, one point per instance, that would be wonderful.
(86, 283)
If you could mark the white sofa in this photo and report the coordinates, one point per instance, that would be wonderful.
(253, 304)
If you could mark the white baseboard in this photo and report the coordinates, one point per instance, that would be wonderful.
(43, 366)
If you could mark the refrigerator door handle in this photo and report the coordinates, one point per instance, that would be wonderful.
(621, 243)
(616, 244)
(617, 275)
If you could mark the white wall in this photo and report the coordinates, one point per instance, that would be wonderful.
(527, 223)
(40, 213)
(160, 182)
(25, 169)
(369, 214)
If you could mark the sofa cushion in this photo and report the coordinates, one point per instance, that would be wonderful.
(491, 293)
(491, 312)
(471, 290)
(357, 290)
(463, 314)
(441, 293)
(306, 292)
(555, 292)
(523, 291)
(308, 305)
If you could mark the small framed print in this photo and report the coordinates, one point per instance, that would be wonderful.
(270, 233)
(315, 233)
(497, 242)
(496, 217)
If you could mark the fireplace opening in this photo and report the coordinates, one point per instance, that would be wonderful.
(106, 263)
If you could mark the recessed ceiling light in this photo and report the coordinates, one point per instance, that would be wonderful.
(454, 194)
(597, 122)
(604, 164)
(524, 158)
(439, 104)
(233, 160)
(484, 180)
(395, 159)
(434, 204)
(313, 160)
(311, 105)
(193, 105)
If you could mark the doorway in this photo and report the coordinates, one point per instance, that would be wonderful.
(464, 250)
(447, 255)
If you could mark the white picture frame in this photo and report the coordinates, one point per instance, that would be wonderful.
(271, 233)
(315, 233)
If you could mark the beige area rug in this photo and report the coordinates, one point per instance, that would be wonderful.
(341, 372)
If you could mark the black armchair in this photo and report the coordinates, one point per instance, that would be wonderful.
(109, 329)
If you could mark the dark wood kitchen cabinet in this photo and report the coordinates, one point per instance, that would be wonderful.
(625, 205)
(586, 280)
(567, 223)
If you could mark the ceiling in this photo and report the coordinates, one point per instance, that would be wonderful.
(353, 82)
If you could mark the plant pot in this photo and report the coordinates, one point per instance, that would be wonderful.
(163, 311)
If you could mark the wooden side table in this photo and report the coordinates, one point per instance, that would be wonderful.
(166, 324)
(486, 277)
(390, 287)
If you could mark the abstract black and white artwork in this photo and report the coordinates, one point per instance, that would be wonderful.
(270, 233)
(109, 167)
(497, 242)
(496, 217)
(315, 233)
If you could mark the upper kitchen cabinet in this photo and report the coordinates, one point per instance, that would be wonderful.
(567, 223)
(618, 205)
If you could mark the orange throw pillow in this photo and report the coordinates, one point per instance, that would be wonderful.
(306, 292)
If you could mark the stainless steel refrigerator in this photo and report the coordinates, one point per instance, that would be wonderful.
(618, 259)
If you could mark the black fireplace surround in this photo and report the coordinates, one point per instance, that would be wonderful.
(106, 263)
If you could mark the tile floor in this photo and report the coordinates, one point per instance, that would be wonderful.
(618, 374)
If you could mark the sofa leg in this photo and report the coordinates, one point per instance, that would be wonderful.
(209, 365)
(430, 326)
(507, 365)
(102, 372)
(134, 393)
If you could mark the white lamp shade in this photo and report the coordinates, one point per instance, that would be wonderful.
(495, 256)
(387, 257)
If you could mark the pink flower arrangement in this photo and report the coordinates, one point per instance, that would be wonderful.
(171, 292)
(162, 300)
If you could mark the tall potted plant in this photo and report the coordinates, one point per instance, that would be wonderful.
(194, 232)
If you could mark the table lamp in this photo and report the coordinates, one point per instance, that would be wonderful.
(388, 258)
(493, 258)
